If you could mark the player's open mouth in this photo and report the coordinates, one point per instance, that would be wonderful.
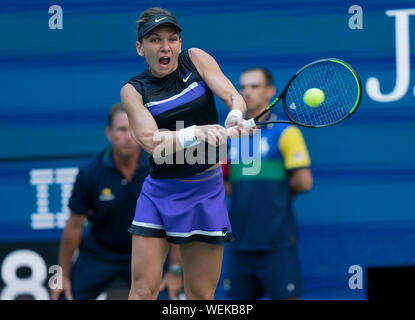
(164, 61)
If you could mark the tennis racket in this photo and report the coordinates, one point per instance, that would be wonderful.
(333, 81)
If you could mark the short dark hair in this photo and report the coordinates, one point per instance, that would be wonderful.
(267, 74)
(116, 108)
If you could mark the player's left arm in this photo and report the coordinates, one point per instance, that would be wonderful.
(211, 73)
(296, 160)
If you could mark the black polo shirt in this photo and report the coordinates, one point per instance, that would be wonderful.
(108, 200)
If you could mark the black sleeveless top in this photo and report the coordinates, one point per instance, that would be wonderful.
(181, 97)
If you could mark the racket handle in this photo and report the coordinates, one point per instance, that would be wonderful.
(246, 124)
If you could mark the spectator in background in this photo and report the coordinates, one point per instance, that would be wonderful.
(105, 193)
(263, 258)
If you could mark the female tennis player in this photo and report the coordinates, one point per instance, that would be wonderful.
(182, 201)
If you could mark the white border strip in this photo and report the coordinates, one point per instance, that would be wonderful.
(188, 234)
(178, 234)
(148, 225)
(190, 87)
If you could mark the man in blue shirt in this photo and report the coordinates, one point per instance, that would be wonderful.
(263, 258)
(105, 193)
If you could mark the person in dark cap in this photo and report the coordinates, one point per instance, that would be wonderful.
(182, 201)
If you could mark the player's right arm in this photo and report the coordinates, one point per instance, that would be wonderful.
(147, 134)
(143, 126)
(70, 241)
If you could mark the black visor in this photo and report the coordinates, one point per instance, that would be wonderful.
(154, 22)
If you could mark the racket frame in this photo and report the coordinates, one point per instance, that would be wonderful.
(284, 92)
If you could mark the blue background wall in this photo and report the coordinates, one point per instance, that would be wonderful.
(56, 87)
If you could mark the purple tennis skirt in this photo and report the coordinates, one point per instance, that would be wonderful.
(184, 210)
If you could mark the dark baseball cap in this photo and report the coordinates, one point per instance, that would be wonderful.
(154, 22)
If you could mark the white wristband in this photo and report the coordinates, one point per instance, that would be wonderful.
(186, 137)
(235, 113)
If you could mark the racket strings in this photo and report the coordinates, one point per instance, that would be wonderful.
(339, 86)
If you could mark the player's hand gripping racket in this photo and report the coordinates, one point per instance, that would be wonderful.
(320, 94)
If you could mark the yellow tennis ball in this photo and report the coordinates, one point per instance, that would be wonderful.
(313, 97)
